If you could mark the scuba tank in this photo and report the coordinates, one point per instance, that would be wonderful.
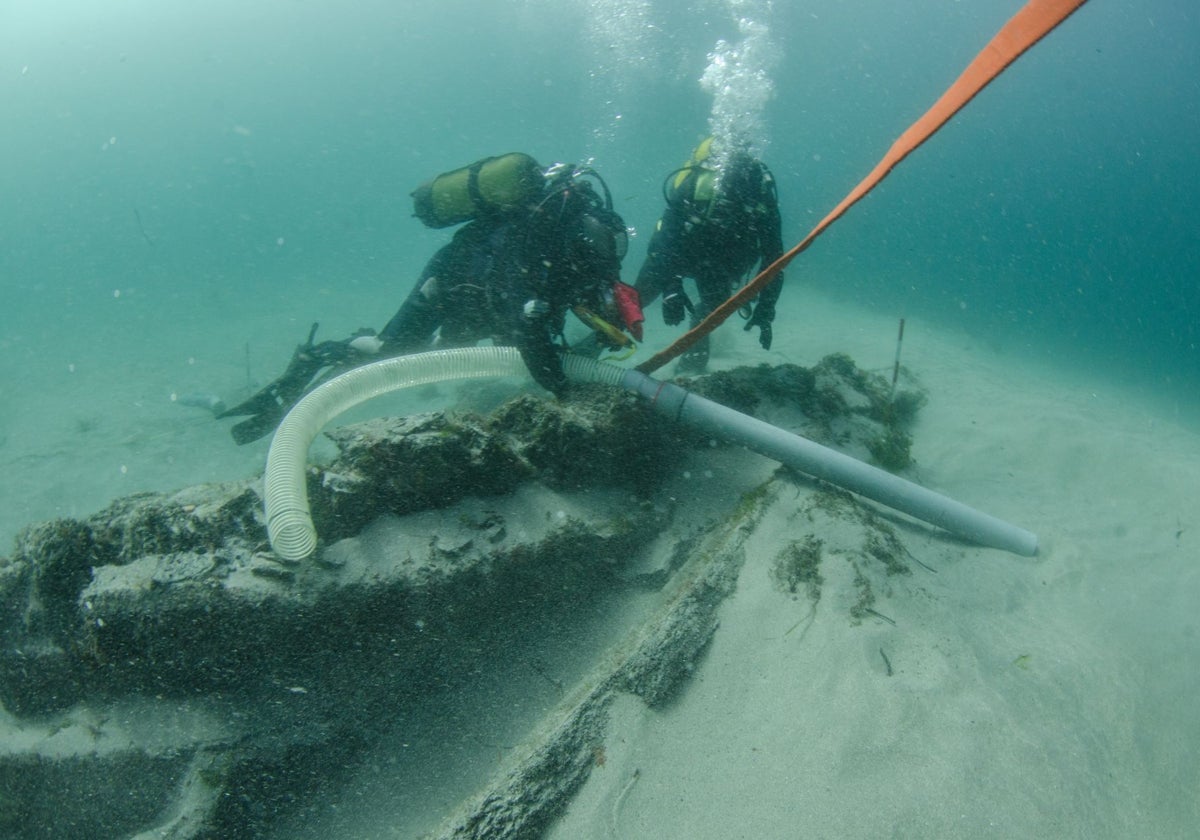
(694, 183)
(489, 186)
(705, 183)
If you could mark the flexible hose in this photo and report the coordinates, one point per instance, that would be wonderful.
(285, 489)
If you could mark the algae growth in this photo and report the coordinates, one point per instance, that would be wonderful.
(839, 403)
(799, 565)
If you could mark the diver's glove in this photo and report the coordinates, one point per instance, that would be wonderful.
(762, 317)
(675, 303)
(535, 309)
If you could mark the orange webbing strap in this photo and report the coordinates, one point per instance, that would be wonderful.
(1024, 30)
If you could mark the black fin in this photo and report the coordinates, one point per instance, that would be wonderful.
(253, 428)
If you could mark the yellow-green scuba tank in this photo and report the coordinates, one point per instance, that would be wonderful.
(695, 182)
(744, 182)
(487, 186)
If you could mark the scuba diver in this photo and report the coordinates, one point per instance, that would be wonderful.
(721, 224)
(537, 243)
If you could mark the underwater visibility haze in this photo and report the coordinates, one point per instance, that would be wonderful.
(187, 187)
(211, 156)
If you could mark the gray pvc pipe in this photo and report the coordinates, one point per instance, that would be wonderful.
(830, 465)
(285, 490)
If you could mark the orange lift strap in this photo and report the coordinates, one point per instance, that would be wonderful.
(1024, 30)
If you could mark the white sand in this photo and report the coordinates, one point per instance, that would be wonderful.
(1046, 697)
(1051, 697)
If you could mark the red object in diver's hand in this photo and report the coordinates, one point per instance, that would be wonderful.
(630, 307)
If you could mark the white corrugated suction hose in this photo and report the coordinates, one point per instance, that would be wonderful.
(289, 523)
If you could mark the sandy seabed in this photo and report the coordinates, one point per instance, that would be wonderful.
(1043, 697)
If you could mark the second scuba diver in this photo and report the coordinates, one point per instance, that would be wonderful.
(721, 221)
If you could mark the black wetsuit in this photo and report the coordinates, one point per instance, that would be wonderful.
(508, 280)
(717, 245)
